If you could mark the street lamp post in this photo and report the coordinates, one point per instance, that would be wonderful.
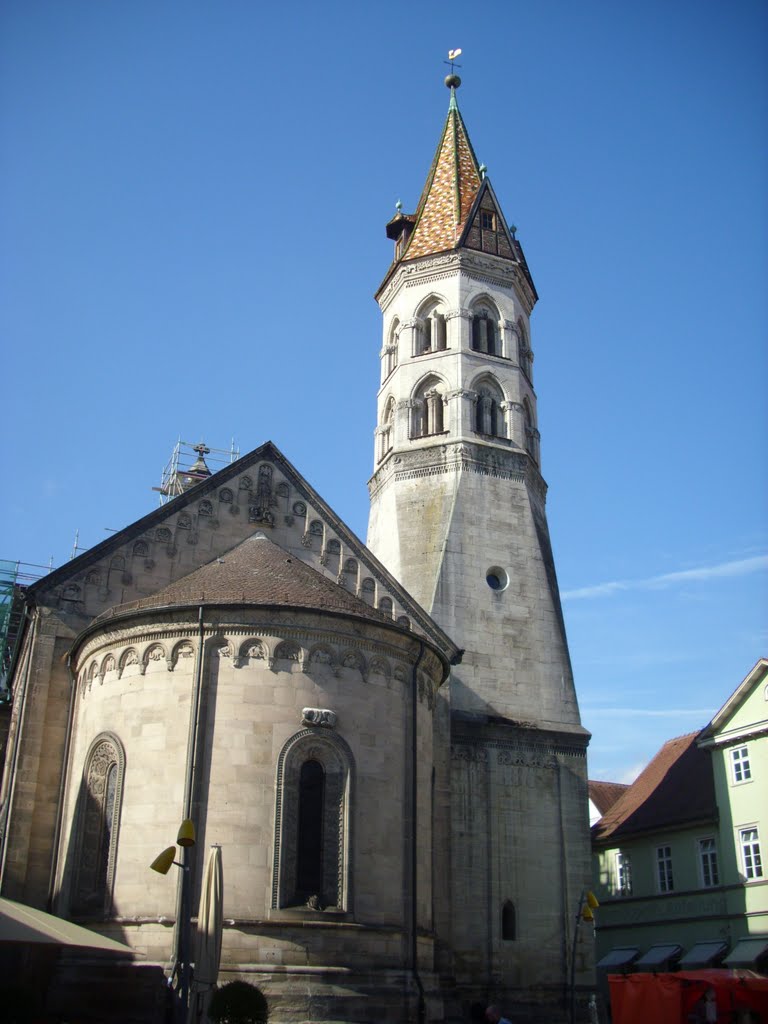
(162, 864)
(587, 903)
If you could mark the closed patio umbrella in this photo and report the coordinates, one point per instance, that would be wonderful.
(22, 924)
(209, 926)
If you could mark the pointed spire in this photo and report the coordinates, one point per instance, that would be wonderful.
(452, 185)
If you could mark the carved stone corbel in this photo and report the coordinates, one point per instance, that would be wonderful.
(319, 716)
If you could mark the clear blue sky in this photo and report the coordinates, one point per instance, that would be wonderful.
(193, 198)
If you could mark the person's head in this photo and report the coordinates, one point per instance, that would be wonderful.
(493, 1014)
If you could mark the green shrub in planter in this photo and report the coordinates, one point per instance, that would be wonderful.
(237, 1002)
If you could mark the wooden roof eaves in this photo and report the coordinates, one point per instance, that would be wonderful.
(708, 734)
(614, 837)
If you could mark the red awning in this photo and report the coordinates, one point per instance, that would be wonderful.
(670, 998)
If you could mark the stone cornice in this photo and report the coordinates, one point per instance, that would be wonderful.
(484, 267)
(513, 753)
(154, 625)
(459, 457)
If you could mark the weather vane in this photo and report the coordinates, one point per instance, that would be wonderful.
(452, 55)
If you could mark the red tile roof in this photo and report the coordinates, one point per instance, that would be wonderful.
(605, 794)
(677, 788)
(452, 185)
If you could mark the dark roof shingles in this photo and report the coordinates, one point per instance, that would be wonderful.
(257, 572)
(676, 788)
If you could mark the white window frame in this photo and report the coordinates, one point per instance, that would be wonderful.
(750, 854)
(665, 879)
(623, 873)
(708, 860)
(741, 769)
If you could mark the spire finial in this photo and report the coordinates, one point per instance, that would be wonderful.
(453, 81)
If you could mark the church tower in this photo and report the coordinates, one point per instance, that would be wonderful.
(458, 516)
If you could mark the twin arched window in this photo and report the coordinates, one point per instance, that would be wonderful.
(427, 410)
(431, 333)
(489, 415)
(485, 330)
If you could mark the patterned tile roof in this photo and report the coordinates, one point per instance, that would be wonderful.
(452, 184)
(675, 789)
(256, 572)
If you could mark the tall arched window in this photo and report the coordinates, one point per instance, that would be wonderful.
(485, 329)
(431, 331)
(427, 409)
(98, 820)
(309, 840)
(312, 842)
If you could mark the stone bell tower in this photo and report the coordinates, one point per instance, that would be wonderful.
(458, 516)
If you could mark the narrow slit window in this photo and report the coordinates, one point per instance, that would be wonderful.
(508, 922)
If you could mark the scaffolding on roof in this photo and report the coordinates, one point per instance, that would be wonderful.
(188, 466)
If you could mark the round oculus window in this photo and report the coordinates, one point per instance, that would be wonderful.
(496, 578)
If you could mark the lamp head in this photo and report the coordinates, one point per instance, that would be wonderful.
(162, 863)
(592, 900)
(186, 836)
(586, 913)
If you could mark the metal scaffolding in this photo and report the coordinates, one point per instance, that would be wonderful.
(15, 577)
(188, 465)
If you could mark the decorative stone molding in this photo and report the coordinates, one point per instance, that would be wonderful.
(465, 314)
(319, 716)
(183, 651)
(526, 758)
(153, 652)
(453, 458)
(251, 650)
(476, 755)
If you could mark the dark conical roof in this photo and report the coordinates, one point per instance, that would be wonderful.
(257, 572)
